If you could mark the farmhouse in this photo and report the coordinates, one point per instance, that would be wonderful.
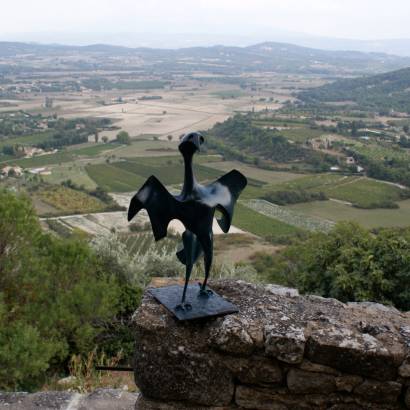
(11, 171)
(39, 171)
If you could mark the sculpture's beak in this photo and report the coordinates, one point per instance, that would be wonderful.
(191, 143)
(198, 140)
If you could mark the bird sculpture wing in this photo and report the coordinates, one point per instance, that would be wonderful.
(158, 202)
(223, 193)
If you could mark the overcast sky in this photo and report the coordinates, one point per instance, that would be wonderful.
(360, 19)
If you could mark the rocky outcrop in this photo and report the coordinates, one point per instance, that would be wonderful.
(281, 351)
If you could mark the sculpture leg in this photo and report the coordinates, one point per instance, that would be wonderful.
(188, 271)
(207, 245)
(188, 240)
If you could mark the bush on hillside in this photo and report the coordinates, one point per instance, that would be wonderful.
(349, 263)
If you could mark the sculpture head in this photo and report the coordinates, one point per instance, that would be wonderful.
(191, 143)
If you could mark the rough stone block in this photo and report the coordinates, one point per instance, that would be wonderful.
(281, 351)
(379, 392)
(286, 343)
(255, 370)
(303, 382)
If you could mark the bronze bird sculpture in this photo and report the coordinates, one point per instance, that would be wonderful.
(195, 207)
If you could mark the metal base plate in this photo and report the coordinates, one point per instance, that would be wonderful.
(202, 306)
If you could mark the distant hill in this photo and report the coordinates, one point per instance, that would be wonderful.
(383, 92)
(271, 56)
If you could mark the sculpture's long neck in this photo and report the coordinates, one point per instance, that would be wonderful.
(189, 179)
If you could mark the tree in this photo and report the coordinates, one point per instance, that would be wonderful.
(105, 139)
(350, 264)
(123, 138)
(406, 129)
(55, 296)
(96, 136)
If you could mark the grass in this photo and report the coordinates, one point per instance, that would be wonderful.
(68, 200)
(263, 175)
(113, 178)
(300, 134)
(289, 217)
(369, 218)
(261, 225)
(151, 148)
(43, 160)
(360, 191)
(126, 176)
(70, 170)
(94, 150)
(364, 192)
(229, 94)
(379, 153)
(27, 140)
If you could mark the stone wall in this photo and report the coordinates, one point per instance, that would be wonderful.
(282, 351)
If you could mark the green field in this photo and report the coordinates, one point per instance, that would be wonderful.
(70, 170)
(362, 192)
(43, 160)
(114, 179)
(369, 218)
(27, 140)
(148, 147)
(69, 200)
(235, 93)
(270, 177)
(95, 149)
(380, 153)
(300, 134)
(261, 225)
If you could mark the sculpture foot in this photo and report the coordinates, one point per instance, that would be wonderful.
(205, 292)
(183, 306)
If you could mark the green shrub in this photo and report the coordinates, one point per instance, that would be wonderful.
(349, 263)
(57, 296)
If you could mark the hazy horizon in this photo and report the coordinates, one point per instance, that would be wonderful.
(368, 25)
(343, 19)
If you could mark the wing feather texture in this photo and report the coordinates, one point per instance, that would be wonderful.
(158, 202)
(223, 194)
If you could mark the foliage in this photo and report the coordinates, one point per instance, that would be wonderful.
(349, 263)
(58, 297)
(123, 138)
(55, 296)
(382, 93)
(238, 138)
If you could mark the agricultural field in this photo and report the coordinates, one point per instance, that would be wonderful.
(301, 135)
(360, 191)
(369, 218)
(269, 177)
(44, 160)
(92, 150)
(380, 153)
(113, 178)
(289, 217)
(265, 226)
(68, 201)
(27, 140)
